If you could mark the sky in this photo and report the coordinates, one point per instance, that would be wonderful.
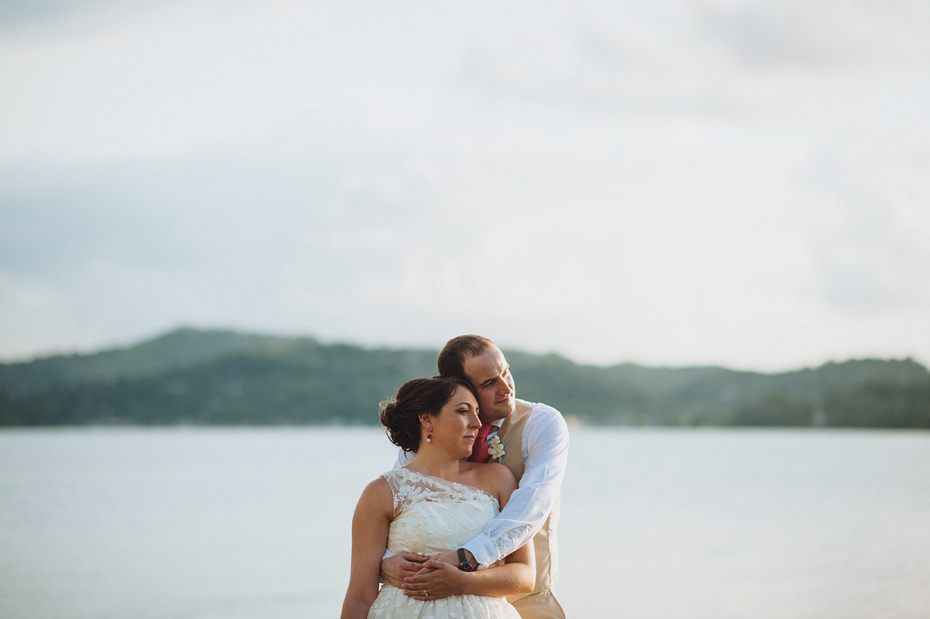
(669, 182)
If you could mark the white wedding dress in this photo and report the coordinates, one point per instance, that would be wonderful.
(432, 515)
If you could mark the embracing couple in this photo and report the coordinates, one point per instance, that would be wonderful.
(464, 525)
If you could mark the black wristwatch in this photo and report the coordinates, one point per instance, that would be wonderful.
(464, 564)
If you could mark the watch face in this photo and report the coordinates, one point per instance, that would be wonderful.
(464, 564)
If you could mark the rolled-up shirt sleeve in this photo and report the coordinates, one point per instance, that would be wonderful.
(545, 455)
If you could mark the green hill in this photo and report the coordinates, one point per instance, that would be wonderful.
(224, 377)
(180, 348)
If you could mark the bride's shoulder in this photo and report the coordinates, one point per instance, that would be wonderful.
(496, 476)
(377, 495)
(502, 472)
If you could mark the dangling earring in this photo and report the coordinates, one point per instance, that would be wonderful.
(429, 437)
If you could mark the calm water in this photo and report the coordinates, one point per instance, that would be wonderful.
(254, 523)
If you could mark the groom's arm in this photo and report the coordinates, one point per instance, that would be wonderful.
(545, 440)
(404, 458)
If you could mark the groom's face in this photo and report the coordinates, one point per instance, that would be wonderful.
(490, 375)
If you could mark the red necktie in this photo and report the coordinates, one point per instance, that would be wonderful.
(479, 453)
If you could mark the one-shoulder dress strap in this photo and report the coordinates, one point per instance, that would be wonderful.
(409, 487)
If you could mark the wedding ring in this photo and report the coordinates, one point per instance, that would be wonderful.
(427, 593)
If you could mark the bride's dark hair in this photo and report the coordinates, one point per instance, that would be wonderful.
(400, 414)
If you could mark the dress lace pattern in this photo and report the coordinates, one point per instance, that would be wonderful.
(432, 515)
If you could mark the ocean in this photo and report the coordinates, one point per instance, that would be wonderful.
(242, 523)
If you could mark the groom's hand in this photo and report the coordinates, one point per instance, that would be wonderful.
(450, 556)
(398, 567)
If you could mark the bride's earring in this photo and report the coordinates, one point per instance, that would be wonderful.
(429, 437)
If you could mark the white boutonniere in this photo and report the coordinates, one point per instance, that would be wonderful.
(496, 448)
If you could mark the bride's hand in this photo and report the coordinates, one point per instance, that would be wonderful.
(437, 580)
(395, 569)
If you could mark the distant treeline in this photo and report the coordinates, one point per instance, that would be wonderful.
(222, 377)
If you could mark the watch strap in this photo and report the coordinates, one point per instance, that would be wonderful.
(464, 564)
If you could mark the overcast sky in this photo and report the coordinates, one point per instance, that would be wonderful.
(736, 182)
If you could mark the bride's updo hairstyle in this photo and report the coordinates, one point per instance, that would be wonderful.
(400, 414)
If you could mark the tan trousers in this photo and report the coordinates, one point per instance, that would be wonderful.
(541, 605)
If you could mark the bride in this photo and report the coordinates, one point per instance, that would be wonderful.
(436, 503)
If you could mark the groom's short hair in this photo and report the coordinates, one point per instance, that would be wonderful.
(451, 361)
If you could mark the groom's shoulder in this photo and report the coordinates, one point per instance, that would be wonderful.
(538, 409)
(544, 421)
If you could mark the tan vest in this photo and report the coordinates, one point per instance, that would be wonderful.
(540, 602)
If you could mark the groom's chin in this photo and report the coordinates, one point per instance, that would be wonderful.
(506, 409)
(511, 405)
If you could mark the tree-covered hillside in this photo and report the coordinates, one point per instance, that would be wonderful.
(223, 377)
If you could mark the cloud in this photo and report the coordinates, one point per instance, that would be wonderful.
(821, 35)
(876, 251)
(33, 315)
(36, 16)
(57, 234)
(667, 182)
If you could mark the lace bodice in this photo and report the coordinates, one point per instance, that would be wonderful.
(432, 515)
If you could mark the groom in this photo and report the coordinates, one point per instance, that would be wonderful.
(535, 442)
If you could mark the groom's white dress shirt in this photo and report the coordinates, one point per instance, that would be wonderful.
(545, 454)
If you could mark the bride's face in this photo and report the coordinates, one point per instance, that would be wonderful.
(456, 425)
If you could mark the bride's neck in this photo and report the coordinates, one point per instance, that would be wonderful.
(432, 461)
